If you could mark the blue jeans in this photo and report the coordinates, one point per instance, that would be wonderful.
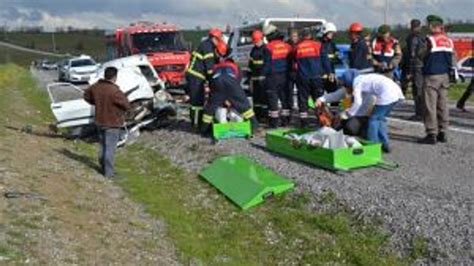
(377, 130)
(109, 138)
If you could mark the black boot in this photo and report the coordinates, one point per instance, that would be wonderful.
(442, 137)
(285, 121)
(205, 129)
(274, 122)
(429, 139)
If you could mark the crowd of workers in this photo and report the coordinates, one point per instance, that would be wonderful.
(276, 65)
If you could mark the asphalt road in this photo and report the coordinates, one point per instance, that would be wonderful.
(430, 196)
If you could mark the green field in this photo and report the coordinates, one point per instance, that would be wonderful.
(9, 55)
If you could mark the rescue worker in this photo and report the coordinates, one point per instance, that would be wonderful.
(387, 94)
(467, 93)
(257, 78)
(312, 63)
(359, 54)
(438, 61)
(329, 45)
(199, 73)
(415, 43)
(225, 86)
(292, 41)
(276, 66)
(386, 52)
(110, 106)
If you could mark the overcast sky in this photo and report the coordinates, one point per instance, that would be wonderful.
(190, 13)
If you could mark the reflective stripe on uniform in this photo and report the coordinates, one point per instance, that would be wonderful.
(196, 74)
(273, 114)
(256, 62)
(198, 55)
(257, 78)
(196, 110)
(248, 114)
(208, 55)
(207, 119)
(285, 112)
(304, 115)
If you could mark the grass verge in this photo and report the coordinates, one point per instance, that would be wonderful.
(207, 229)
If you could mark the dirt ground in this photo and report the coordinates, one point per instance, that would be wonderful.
(56, 210)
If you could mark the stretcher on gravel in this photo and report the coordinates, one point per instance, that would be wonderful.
(231, 130)
(342, 159)
(243, 181)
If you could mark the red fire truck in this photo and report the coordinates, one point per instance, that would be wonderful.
(163, 44)
(464, 47)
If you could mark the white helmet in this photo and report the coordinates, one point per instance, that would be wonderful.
(329, 27)
(268, 29)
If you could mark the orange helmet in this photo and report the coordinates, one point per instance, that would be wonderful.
(356, 27)
(257, 36)
(215, 32)
(221, 48)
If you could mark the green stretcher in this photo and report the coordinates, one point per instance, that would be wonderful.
(243, 181)
(343, 159)
(231, 130)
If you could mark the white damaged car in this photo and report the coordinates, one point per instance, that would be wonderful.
(151, 104)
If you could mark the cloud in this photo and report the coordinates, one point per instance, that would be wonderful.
(190, 13)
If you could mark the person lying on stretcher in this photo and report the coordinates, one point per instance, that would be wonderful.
(367, 90)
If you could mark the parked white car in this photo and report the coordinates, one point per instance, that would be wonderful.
(79, 69)
(465, 68)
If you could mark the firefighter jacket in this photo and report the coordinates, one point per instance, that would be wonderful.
(276, 58)
(226, 67)
(359, 55)
(256, 61)
(439, 57)
(386, 52)
(333, 53)
(311, 60)
(203, 58)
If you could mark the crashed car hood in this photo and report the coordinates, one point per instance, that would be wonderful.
(75, 111)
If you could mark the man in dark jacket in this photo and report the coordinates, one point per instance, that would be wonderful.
(257, 78)
(360, 55)
(110, 106)
(437, 64)
(199, 73)
(415, 43)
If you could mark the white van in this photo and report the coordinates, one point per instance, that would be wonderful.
(240, 39)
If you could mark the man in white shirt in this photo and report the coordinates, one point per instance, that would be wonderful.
(364, 87)
(357, 124)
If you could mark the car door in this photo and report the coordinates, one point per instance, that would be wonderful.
(68, 105)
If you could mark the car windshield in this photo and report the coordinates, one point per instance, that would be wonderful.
(158, 42)
(82, 62)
